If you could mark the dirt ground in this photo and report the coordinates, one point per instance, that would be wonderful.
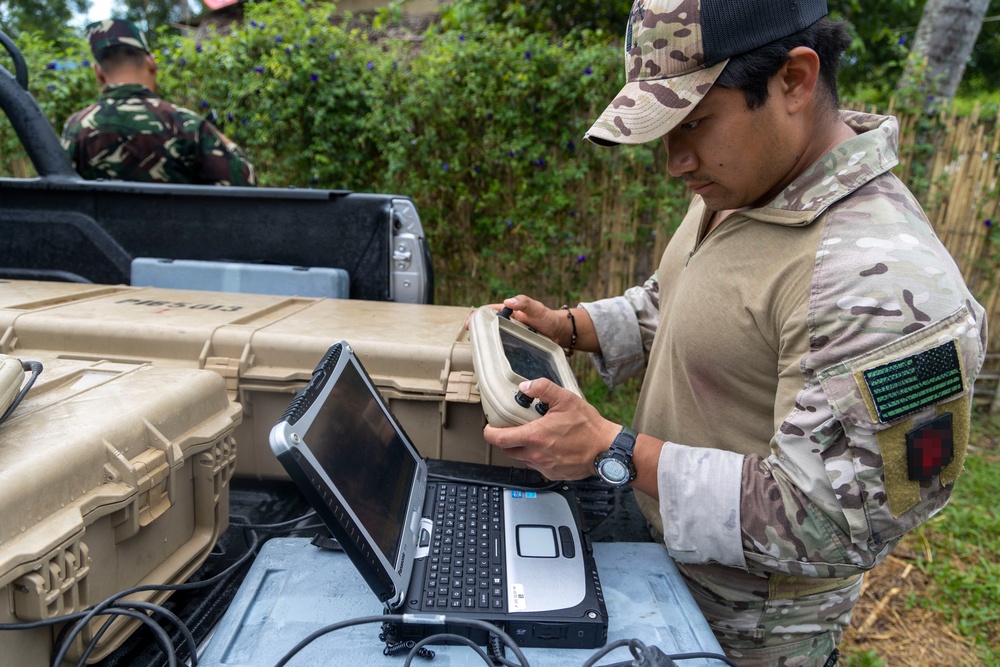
(903, 635)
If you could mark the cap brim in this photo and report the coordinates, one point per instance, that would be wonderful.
(646, 110)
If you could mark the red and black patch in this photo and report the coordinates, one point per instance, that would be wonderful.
(930, 447)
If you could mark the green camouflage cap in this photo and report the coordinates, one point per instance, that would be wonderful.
(115, 32)
(676, 49)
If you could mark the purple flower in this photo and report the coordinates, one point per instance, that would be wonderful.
(259, 69)
(444, 165)
(571, 145)
(540, 162)
(489, 116)
(902, 40)
(988, 222)
(288, 52)
(588, 71)
(277, 40)
(50, 87)
(461, 38)
(512, 152)
(333, 56)
(198, 48)
(204, 104)
(183, 61)
(314, 77)
(253, 24)
(312, 40)
(229, 117)
(527, 55)
(370, 65)
(580, 259)
(510, 224)
(52, 65)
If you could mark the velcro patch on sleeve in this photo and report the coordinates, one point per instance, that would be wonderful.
(904, 491)
(904, 386)
(930, 447)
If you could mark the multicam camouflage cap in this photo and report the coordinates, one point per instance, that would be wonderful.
(676, 49)
(115, 32)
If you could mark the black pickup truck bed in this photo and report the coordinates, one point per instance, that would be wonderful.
(60, 227)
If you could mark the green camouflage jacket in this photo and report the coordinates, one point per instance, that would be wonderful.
(130, 134)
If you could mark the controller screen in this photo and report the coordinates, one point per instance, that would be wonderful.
(526, 360)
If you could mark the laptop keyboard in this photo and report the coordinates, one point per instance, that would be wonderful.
(465, 566)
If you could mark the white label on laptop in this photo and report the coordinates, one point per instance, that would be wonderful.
(517, 600)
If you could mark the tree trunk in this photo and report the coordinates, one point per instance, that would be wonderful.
(947, 32)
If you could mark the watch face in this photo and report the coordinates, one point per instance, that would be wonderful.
(614, 471)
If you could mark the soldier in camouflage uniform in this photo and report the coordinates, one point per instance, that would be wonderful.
(808, 344)
(131, 134)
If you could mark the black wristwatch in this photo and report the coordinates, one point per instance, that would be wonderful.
(615, 466)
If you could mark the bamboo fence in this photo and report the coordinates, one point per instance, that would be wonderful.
(962, 204)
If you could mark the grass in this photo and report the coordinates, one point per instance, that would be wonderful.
(936, 599)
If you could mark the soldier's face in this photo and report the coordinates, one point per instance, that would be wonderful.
(733, 157)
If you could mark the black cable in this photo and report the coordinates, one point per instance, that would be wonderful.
(405, 619)
(705, 655)
(446, 636)
(82, 618)
(162, 638)
(156, 609)
(279, 525)
(36, 369)
(636, 646)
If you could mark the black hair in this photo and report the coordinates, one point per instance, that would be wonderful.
(117, 56)
(750, 72)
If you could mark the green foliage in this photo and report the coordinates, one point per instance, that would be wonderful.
(152, 15)
(46, 18)
(289, 86)
(879, 47)
(868, 658)
(60, 79)
(559, 16)
(982, 73)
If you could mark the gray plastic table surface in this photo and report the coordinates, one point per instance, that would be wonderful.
(294, 589)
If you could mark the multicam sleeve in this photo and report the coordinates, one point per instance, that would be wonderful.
(872, 448)
(222, 161)
(625, 326)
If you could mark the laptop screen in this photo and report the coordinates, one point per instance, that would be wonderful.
(355, 443)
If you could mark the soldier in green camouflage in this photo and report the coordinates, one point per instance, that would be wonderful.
(131, 134)
(809, 346)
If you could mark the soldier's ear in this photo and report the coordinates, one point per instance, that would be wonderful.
(798, 78)
(102, 78)
(151, 64)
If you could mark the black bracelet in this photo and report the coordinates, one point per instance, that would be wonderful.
(572, 340)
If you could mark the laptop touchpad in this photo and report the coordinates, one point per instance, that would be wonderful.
(536, 542)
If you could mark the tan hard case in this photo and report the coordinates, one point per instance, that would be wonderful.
(265, 347)
(112, 475)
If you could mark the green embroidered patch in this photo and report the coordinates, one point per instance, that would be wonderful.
(903, 386)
